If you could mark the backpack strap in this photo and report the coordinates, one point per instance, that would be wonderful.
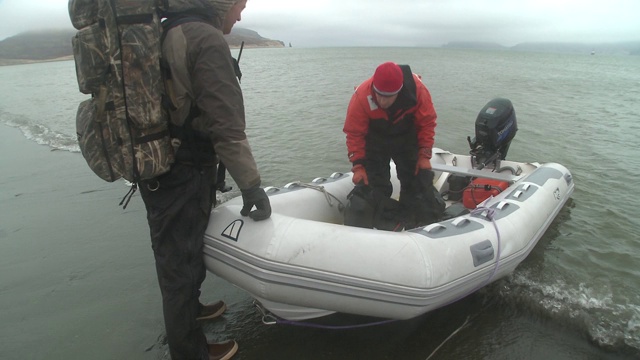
(185, 133)
(173, 20)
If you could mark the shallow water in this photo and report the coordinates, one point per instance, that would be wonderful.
(577, 110)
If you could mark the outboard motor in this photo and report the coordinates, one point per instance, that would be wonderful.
(496, 126)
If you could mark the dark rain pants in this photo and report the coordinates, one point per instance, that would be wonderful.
(399, 142)
(178, 214)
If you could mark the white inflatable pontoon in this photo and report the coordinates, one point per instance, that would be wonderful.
(304, 263)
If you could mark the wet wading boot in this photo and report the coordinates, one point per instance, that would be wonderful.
(211, 311)
(222, 351)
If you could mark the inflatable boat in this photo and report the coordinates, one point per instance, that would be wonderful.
(304, 263)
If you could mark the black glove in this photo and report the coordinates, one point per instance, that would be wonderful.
(425, 178)
(255, 196)
(430, 205)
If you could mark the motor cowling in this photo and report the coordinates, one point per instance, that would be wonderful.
(496, 126)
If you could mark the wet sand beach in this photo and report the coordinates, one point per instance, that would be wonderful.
(77, 277)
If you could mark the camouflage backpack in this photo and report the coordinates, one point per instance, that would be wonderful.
(123, 128)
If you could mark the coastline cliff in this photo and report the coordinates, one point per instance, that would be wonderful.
(55, 45)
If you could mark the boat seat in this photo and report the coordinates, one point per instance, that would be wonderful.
(474, 172)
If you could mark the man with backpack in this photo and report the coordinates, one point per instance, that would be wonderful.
(166, 107)
(209, 110)
(391, 117)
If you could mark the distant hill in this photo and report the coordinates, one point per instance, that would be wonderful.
(622, 48)
(53, 44)
(474, 45)
(250, 38)
(37, 45)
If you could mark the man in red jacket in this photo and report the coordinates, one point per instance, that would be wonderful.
(391, 117)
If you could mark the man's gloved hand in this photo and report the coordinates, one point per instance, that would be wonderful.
(425, 178)
(359, 175)
(424, 160)
(255, 196)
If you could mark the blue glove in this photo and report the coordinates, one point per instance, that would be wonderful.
(255, 196)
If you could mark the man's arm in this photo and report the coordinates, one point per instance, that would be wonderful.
(219, 98)
(356, 127)
(425, 117)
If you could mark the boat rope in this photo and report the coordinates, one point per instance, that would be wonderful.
(464, 325)
(327, 194)
(269, 318)
(489, 213)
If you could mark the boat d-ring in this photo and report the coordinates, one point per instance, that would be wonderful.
(155, 188)
(269, 320)
(267, 317)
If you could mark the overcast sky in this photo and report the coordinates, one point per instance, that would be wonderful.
(313, 23)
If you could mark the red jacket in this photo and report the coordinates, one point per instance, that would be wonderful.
(363, 108)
